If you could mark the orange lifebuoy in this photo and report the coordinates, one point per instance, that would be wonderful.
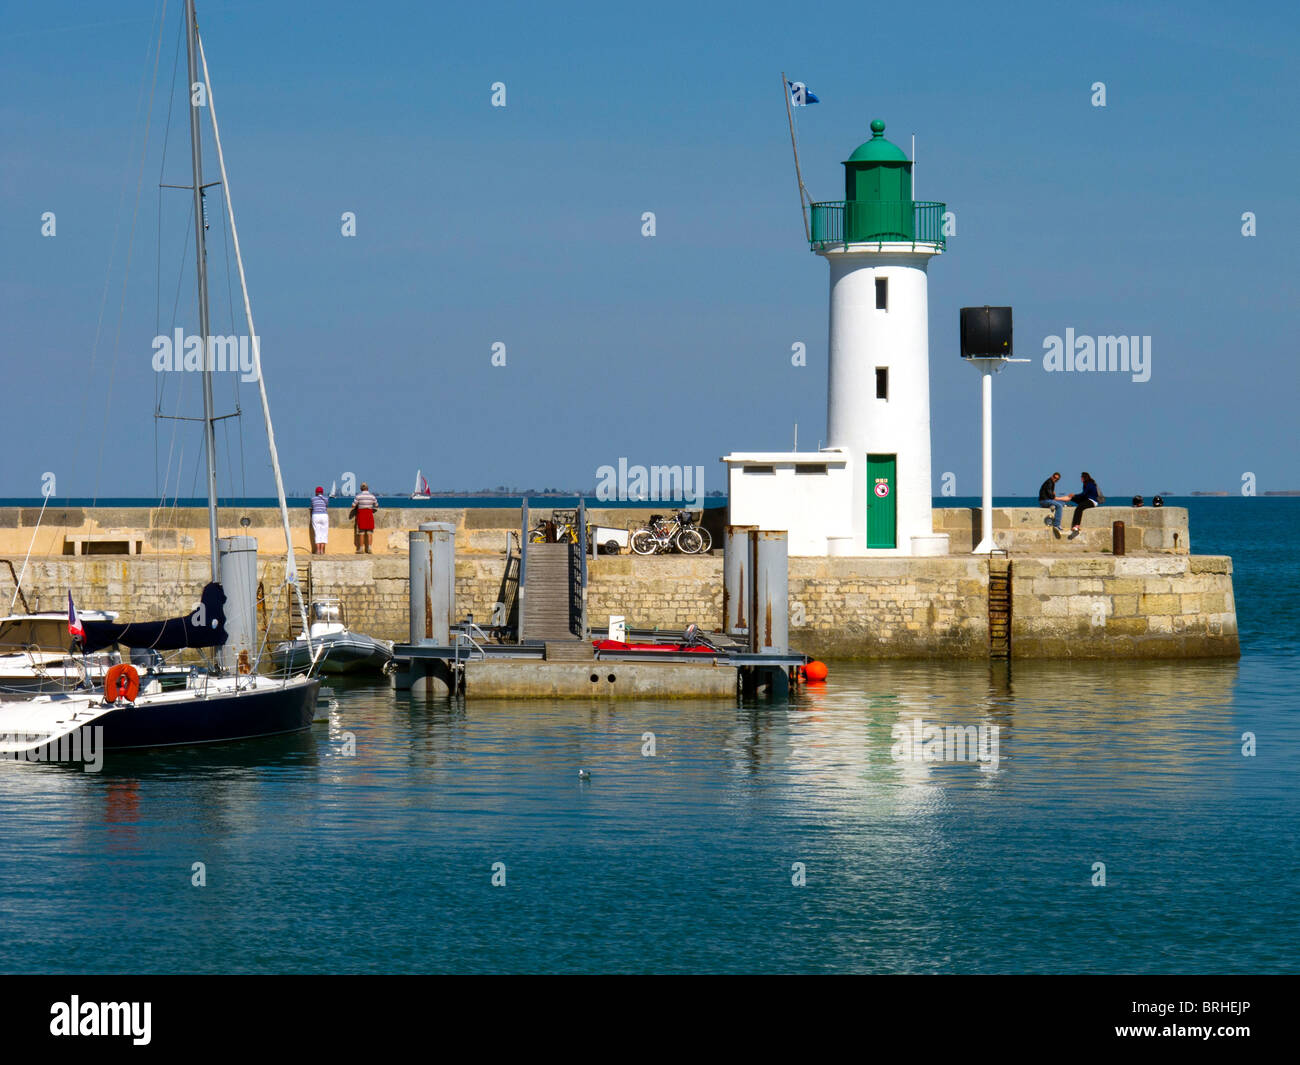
(122, 682)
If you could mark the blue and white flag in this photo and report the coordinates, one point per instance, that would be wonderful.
(799, 94)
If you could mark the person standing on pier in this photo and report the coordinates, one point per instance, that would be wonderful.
(363, 512)
(320, 521)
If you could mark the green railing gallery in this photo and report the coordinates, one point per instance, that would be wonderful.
(876, 222)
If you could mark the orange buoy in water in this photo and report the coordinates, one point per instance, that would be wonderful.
(122, 682)
(815, 671)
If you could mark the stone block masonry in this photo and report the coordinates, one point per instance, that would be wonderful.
(1158, 530)
(1075, 606)
(1106, 607)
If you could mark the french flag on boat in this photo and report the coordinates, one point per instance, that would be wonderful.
(74, 622)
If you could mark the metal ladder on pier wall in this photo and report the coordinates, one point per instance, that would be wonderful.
(999, 607)
(290, 619)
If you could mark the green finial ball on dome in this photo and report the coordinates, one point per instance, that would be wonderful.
(878, 149)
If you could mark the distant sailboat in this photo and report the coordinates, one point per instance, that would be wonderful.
(421, 489)
(334, 489)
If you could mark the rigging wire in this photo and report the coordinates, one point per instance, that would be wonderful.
(160, 380)
(130, 248)
(291, 575)
(234, 377)
(159, 20)
(112, 255)
(23, 572)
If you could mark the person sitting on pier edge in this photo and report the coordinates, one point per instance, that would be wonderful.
(363, 513)
(320, 521)
(1090, 496)
(1047, 497)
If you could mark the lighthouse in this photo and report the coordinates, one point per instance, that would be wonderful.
(868, 492)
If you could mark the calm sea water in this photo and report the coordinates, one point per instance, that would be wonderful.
(317, 861)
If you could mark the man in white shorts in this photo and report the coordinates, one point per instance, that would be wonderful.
(320, 521)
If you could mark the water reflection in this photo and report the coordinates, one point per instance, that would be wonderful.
(402, 802)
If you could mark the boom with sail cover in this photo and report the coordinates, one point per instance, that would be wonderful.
(206, 627)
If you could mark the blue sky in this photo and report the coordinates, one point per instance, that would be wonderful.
(522, 225)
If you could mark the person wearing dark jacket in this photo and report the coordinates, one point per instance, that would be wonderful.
(1047, 497)
(1090, 496)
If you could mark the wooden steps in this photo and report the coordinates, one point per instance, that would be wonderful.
(547, 599)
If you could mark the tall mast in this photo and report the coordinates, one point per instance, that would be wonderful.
(200, 246)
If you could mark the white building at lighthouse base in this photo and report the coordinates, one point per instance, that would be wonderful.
(810, 495)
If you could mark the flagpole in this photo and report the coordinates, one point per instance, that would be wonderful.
(789, 116)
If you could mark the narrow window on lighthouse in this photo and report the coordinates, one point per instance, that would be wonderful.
(882, 293)
(882, 382)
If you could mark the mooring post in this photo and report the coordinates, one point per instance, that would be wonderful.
(420, 593)
(237, 566)
(443, 541)
(770, 629)
(735, 569)
(1117, 538)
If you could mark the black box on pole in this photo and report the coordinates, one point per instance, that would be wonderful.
(985, 332)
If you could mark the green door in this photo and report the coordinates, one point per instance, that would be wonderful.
(882, 526)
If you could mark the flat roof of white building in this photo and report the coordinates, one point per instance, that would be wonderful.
(787, 458)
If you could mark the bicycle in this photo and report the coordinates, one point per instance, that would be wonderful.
(666, 534)
(562, 529)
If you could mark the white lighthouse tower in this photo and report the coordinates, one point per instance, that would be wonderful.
(875, 495)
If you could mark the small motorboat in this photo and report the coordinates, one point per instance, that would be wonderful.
(338, 649)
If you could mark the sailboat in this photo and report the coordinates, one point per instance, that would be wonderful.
(227, 700)
(421, 489)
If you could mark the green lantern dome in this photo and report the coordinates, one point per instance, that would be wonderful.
(878, 150)
(878, 191)
(878, 207)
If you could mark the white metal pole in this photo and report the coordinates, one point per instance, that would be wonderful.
(986, 544)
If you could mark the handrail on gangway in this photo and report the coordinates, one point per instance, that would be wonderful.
(523, 565)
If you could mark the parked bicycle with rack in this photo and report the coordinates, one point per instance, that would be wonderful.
(678, 533)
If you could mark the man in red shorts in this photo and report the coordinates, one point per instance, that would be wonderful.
(363, 512)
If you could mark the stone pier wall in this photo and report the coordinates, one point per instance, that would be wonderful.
(1156, 607)
(1156, 530)
(1092, 605)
